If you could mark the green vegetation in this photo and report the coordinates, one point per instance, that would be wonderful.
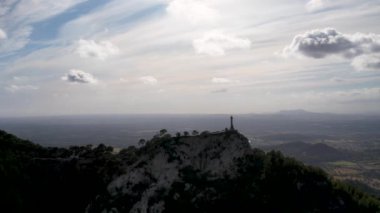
(358, 168)
(266, 183)
(194, 133)
(363, 174)
(38, 179)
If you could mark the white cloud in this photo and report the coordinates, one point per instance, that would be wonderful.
(100, 50)
(18, 18)
(316, 5)
(20, 78)
(3, 35)
(321, 43)
(216, 44)
(367, 62)
(16, 40)
(326, 42)
(194, 11)
(149, 80)
(156, 41)
(5, 6)
(342, 100)
(16, 88)
(345, 96)
(221, 80)
(321, 5)
(79, 76)
(19, 84)
(123, 80)
(39, 10)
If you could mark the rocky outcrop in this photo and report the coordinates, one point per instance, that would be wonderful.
(211, 172)
(163, 159)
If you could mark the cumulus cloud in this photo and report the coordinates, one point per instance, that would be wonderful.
(216, 44)
(325, 42)
(316, 5)
(79, 76)
(15, 88)
(194, 11)
(220, 80)
(362, 48)
(149, 80)
(3, 35)
(92, 49)
(367, 62)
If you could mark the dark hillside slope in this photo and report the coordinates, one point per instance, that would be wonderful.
(37, 179)
(204, 173)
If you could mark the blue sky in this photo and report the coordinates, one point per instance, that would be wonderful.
(188, 56)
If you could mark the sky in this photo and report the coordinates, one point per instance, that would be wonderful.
(188, 56)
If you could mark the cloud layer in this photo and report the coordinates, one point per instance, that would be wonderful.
(149, 80)
(169, 46)
(193, 11)
(79, 76)
(316, 5)
(326, 42)
(19, 17)
(15, 88)
(216, 44)
(367, 62)
(3, 35)
(220, 80)
(92, 49)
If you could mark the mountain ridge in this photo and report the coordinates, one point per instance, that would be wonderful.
(203, 173)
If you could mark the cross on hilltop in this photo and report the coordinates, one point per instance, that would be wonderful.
(232, 123)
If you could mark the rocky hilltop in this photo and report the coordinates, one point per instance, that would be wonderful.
(164, 158)
(207, 172)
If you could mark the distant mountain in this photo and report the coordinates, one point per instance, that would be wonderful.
(207, 172)
(296, 112)
(303, 114)
(310, 153)
(125, 130)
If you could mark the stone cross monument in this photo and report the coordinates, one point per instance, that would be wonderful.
(232, 123)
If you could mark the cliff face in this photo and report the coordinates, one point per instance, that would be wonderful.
(219, 172)
(213, 172)
(160, 164)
